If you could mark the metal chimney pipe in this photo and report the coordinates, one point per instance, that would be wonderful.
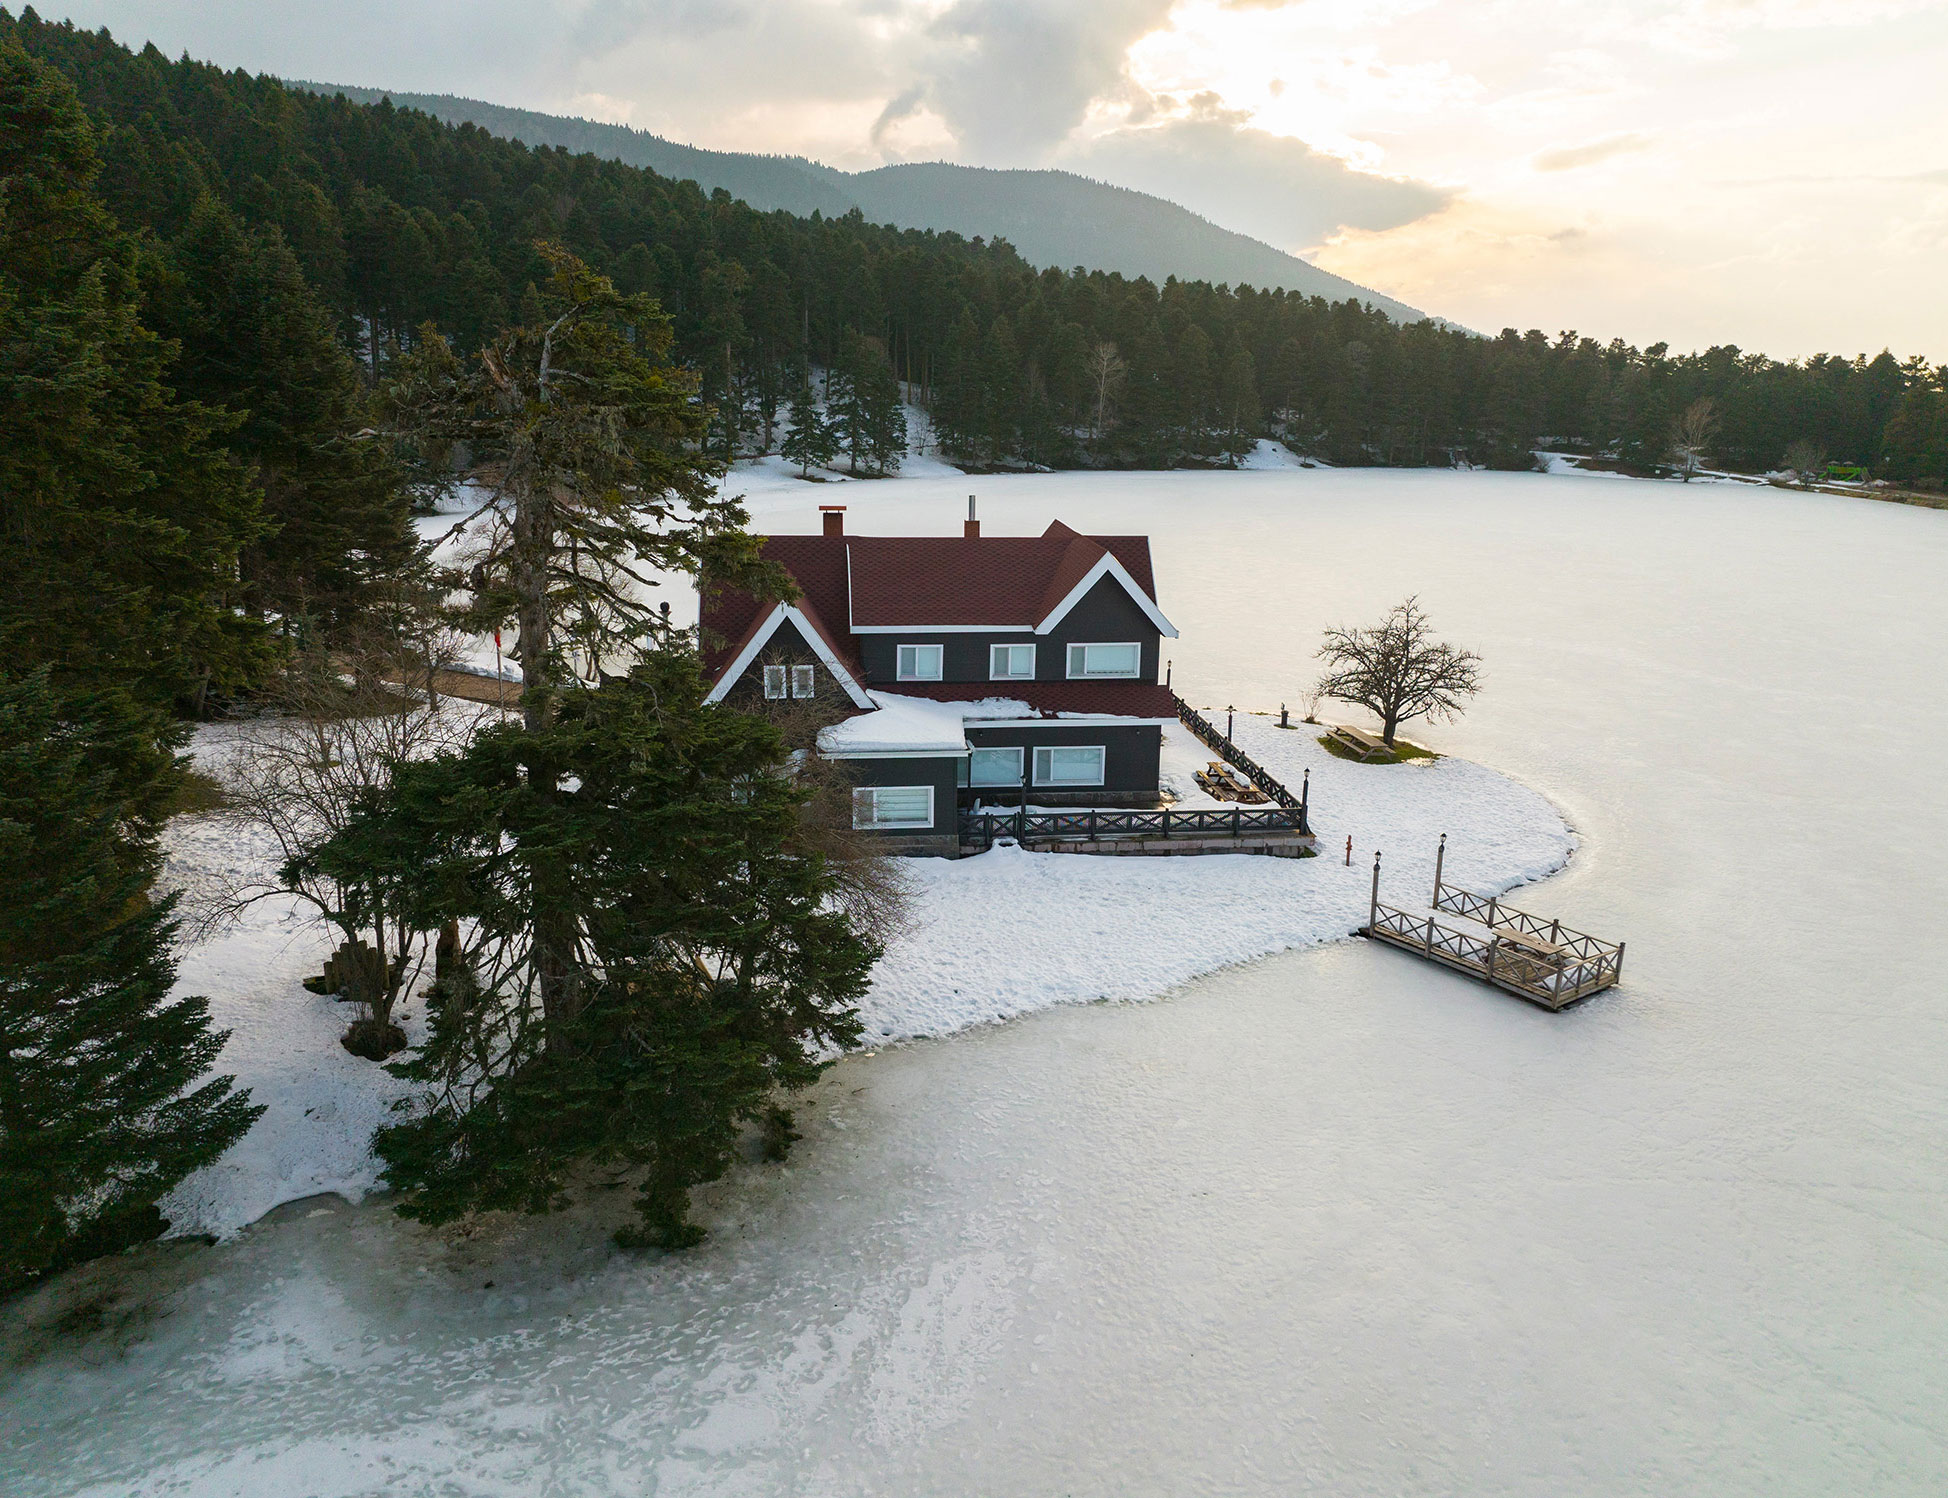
(971, 530)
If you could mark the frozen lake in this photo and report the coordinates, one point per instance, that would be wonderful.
(1333, 1221)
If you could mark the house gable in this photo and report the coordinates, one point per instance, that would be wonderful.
(1105, 570)
(787, 629)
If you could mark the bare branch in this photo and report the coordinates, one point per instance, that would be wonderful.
(1398, 671)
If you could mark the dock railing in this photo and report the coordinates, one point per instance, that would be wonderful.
(1256, 773)
(1538, 959)
(1092, 825)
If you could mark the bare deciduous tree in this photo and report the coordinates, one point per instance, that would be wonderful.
(1692, 435)
(1106, 373)
(1805, 460)
(1397, 670)
(872, 888)
(334, 730)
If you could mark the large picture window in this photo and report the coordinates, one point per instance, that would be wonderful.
(995, 767)
(1105, 660)
(1069, 764)
(1011, 663)
(879, 807)
(919, 663)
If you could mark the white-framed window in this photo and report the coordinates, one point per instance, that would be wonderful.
(774, 682)
(991, 767)
(1011, 663)
(1069, 764)
(1105, 660)
(804, 680)
(918, 663)
(876, 807)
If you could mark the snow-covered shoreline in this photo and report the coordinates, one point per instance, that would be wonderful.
(989, 938)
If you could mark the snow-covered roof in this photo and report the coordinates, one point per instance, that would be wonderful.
(912, 725)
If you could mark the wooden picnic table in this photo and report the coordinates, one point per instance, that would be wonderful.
(1526, 942)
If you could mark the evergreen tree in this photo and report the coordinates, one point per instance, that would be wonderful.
(1917, 433)
(811, 441)
(866, 411)
(256, 340)
(104, 1104)
(593, 437)
(707, 962)
(121, 515)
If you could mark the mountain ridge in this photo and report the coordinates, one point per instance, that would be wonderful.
(1051, 217)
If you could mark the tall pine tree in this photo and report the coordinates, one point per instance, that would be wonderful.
(864, 400)
(662, 845)
(122, 517)
(256, 340)
(103, 1100)
(810, 442)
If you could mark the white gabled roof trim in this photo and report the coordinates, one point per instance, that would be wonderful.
(1108, 567)
(765, 631)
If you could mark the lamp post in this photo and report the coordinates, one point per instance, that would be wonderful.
(1229, 714)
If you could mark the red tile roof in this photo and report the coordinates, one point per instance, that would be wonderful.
(1122, 699)
(922, 581)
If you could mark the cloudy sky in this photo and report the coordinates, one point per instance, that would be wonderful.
(1771, 173)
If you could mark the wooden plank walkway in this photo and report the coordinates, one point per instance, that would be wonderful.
(1535, 958)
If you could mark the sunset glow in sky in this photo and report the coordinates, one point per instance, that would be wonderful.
(1771, 173)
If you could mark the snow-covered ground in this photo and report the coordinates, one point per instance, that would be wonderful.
(988, 938)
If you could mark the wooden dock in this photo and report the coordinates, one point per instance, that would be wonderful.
(1530, 956)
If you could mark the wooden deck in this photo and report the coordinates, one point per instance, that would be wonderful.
(1531, 956)
(1168, 831)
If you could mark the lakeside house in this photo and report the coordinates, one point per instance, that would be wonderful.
(945, 670)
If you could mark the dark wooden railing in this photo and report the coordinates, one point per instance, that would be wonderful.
(1091, 825)
(1256, 773)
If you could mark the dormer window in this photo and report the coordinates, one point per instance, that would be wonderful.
(1097, 661)
(1011, 663)
(919, 663)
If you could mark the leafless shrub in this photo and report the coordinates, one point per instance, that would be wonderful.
(875, 891)
(1805, 460)
(329, 736)
(1692, 435)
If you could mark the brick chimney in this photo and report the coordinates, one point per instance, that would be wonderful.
(834, 516)
(971, 529)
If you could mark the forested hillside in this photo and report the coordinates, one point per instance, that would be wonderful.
(397, 219)
(1053, 217)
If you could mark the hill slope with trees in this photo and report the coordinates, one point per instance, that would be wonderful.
(1052, 217)
(398, 219)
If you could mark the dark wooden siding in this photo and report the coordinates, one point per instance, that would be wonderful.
(1131, 754)
(938, 773)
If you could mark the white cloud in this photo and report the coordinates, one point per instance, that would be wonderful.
(1568, 158)
(1270, 186)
